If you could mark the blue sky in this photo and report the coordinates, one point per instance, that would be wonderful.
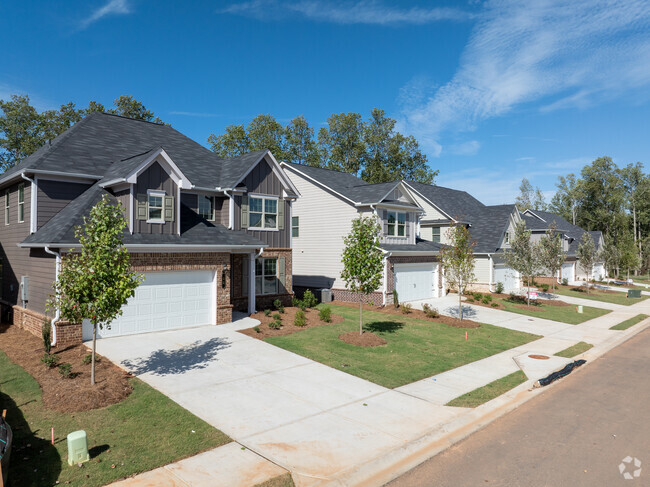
(495, 90)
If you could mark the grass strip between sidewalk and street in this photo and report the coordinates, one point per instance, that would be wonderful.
(624, 325)
(145, 431)
(577, 349)
(563, 314)
(614, 297)
(488, 392)
(415, 349)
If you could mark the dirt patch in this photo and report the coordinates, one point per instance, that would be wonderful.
(539, 357)
(367, 339)
(415, 313)
(287, 327)
(60, 394)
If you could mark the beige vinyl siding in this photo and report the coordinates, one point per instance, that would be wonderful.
(482, 269)
(410, 228)
(430, 212)
(324, 220)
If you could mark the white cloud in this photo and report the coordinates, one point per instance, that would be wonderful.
(347, 12)
(468, 148)
(113, 7)
(558, 53)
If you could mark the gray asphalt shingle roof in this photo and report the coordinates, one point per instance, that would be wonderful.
(573, 231)
(487, 226)
(60, 230)
(457, 204)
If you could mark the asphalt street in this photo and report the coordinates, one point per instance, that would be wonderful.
(576, 434)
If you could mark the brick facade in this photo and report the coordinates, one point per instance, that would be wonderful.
(67, 334)
(240, 296)
(350, 297)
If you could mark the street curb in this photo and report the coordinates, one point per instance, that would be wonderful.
(396, 462)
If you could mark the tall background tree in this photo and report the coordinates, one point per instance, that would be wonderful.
(587, 255)
(530, 198)
(362, 260)
(458, 261)
(524, 255)
(23, 129)
(372, 149)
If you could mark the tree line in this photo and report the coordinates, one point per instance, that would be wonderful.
(603, 196)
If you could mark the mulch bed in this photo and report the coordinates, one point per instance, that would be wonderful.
(60, 394)
(367, 339)
(287, 323)
(415, 313)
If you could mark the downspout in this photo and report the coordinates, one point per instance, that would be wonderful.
(231, 210)
(386, 257)
(32, 204)
(491, 273)
(57, 315)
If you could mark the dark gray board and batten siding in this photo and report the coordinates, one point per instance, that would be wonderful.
(262, 181)
(155, 177)
(221, 207)
(53, 196)
(36, 264)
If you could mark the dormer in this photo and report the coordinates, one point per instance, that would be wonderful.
(398, 212)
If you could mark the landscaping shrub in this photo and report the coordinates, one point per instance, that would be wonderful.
(499, 288)
(325, 315)
(257, 329)
(477, 296)
(485, 300)
(277, 304)
(267, 312)
(298, 303)
(565, 281)
(470, 300)
(429, 311)
(275, 325)
(300, 319)
(395, 298)
(488, 297)
(406, 308)
(65, 370)
(544, 287)
(309, 299)
(50, 360)
(89, 358)
(46, 333)
(495, 305)
(277, 316)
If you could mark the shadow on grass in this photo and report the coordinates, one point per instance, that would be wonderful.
(383, 326)
(34, 461)
(95, 451)
(198, 355)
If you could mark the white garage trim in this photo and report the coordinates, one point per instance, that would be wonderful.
(416, 281)
(506, 275)
(166, 300)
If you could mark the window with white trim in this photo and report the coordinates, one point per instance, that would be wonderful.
(263, 212)
(206, 207)
(155, 207)
(435, 234)
(7, 207)
(21, 203)
(295, 226)
(506, 239)
(266, 276)
(396, 224)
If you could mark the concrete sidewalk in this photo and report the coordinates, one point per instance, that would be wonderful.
(324, 426)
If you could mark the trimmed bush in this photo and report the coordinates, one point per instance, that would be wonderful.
(477, 296)
(46, 333)
(495, 305)
(544, 287)
(65, 370)
(309, 299)
(50, 360)
(499, 288)
(267, 312)
(300, 319)
(406, 308)
(89, 358)
(565, 281)
(275, 325)
(485, 300)
(277, 316)
(325, 314)
(429, 311)
(395, 298)
(257, 329)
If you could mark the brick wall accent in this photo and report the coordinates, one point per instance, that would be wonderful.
(350, 297)
(240, 301)
(67, 334)
(195, 261)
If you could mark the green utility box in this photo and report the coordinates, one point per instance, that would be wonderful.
(77, 447)
(633, 293)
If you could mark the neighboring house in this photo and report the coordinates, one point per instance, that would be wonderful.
(489, 226)
(323, 216)
(540, 221)
(210, 234)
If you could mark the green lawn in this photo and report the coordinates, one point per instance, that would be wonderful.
(628, 323)
(489, 391)
(614, 297)
(564, 314)
(416, 349)
(145, 431)
(577, 349)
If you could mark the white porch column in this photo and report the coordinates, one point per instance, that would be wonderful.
(251, 283)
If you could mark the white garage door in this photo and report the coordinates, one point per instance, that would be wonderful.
(415, 281)
(568, 272)
(599, 272)
(507, 276)
(165, 301)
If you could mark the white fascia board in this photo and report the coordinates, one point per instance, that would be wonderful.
(318, 183)
(411, 253)
(176, 174)
(389, 191)
(393, 206)
(428, 200)
(150, 247)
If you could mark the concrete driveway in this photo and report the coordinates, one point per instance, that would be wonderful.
(311, 419)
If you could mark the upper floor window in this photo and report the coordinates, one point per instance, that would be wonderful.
(435, 234)
(155, 207)
(295, 226)
(396, 224)
(6, 207)
(263, 212)
(206, 207)
(21, 203)
(506, 239)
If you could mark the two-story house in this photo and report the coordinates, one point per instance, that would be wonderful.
(323, 216)
(209, 234)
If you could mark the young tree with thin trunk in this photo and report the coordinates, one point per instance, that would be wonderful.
(551, 252)
(363, 260)
(524, 255)
(97, 281)
(458, 261)
(587, 255)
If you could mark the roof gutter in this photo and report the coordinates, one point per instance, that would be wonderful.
(149, 246)
(387, 255)
(57, 315)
